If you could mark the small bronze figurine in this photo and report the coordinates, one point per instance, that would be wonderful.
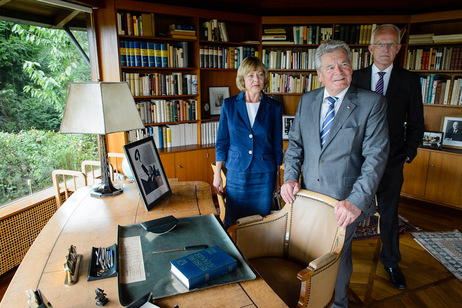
(101, 298)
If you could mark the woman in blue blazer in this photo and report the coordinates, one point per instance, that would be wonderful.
(249, 143)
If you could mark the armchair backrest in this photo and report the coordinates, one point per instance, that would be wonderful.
(313, 228)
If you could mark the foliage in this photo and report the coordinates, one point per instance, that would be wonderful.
(34, 154)
(37, 64)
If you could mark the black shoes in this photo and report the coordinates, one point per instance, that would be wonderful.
(396, 277)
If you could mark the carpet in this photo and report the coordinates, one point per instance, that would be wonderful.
(368, 228)
(446, 247)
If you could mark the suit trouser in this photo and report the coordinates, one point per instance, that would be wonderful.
(346, 265)
(388, 199)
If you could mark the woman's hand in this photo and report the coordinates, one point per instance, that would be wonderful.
(218, 182)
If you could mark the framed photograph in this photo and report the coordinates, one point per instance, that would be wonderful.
(432, 140)
(216, 97)
(452, 128)
(148, 171)
(286, 124)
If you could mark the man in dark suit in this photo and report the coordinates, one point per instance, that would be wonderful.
(340, 137)
(405, 125)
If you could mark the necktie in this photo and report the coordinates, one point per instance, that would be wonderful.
(328, 119)
(379, 86)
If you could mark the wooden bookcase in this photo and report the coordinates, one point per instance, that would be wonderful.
(246, 31)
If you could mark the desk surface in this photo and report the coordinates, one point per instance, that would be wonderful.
(85, 222)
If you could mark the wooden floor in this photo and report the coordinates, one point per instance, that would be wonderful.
(429, 283)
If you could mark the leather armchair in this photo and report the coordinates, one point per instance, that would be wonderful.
(295, 250)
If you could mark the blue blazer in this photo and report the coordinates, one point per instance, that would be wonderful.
(242, 148)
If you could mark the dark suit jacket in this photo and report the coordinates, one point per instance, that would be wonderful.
(238, 144)
(353, 159)
(404, 104)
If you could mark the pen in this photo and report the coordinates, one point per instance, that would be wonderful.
(184, 248)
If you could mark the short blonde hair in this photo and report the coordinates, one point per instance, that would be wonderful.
(248, 65)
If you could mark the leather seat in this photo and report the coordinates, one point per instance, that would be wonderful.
(295, 250)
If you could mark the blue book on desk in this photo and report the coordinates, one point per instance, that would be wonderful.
(202, 266)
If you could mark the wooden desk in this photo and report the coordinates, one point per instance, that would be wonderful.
(86, 222)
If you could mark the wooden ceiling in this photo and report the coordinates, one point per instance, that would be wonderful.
(71, 13)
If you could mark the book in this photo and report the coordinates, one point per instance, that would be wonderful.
(202, 266)
(181, 27)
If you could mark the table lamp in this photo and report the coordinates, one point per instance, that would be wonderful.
(100, 108)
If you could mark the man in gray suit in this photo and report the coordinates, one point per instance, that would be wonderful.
(340, 137)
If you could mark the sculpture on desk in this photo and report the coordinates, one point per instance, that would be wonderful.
(101, 298)
(71, 267)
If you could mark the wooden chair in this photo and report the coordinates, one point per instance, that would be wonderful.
(114, 162)
(92, 170)
(295, 250)
(221, 199)
(70, 181)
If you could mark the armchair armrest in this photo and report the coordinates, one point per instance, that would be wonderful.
(318, 280)
(249, 219)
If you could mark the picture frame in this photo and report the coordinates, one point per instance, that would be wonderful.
(286, 124)
(216, 97)
(148, 171)
(432, 140)
(452, 129)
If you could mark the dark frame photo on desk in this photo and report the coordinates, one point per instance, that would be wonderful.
(148, 171)
(432, 140)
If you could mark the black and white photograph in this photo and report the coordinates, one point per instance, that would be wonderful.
(216, 97)
(432, 140)
(286, 124)
(148, 171)
(452, 128)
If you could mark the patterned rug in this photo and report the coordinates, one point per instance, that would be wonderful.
(368, 228)
(446, 247)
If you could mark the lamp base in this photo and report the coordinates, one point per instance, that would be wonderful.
(106, 191)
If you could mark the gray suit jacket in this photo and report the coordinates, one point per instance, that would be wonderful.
(353, 159)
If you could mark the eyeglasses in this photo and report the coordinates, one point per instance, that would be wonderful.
(382, 45)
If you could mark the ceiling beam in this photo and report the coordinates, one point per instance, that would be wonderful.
(60, 21)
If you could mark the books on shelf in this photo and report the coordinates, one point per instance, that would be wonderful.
(181, 27)
(224, 57)
(213, 30)
(149, 54)
(437, 89)
(209, 132)
(154, 84)
(164, 111)
(293, 83)
(426, 38)
(142, 24)
(435, 58)
(202, 266)
(448, 38)
(182, 134)
(354, 33)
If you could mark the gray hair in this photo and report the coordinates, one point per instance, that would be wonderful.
(329, 47)
(387, 26)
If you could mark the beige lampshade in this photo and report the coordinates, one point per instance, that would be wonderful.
(100, 108)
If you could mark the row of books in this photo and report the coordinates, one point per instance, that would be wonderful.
(285, 83)
(161, 84)
(300, 35)
(304, 60)
(178, 31)
(430, 38)
(163, 111)
(142, 24)
(213, 30)
(167, 136)
(440, 58)
(439, 90)
(150, 54)
(209, 132)
(224, 57)
(354, 34)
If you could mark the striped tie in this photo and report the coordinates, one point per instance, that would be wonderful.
(328, 119)
(379, 86)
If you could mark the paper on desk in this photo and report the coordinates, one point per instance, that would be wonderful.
(131, 260)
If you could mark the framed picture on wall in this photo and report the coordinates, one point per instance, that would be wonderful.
(216, 97)
(432, 140)
(148, 171)
(286, 124)
(452, 128)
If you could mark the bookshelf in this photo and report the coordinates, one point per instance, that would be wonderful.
(246, 32)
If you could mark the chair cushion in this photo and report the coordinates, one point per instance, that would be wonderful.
(281, 276)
